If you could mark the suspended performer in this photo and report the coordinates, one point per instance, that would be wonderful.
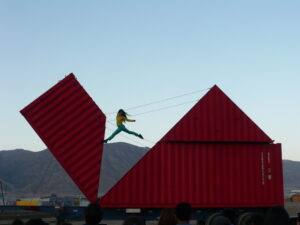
(120, 119)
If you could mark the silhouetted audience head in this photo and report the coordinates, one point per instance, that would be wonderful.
(255, 219)
(201, 222)
(277, 215)
(183, 212)
(36, 222)
(230, 214)
(220, 220)
(134, 220)
(167, 217)
(93, 214)
(17, 222)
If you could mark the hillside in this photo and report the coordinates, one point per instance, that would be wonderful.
(38, 173)
(291, 175)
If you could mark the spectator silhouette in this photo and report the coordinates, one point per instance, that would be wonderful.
(17, 222)
(230, 214)
(36, 222)
(277, 215)
(201, 222)
(220, 220)
(255, 219)
(134, 220)
(167, 217)
(183, 212)
(93, 214)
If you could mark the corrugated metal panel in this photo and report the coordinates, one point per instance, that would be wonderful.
(215, 156)
(206, 175)
(216, 118)
(71, 125)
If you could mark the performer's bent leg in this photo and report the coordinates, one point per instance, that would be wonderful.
(118, 130)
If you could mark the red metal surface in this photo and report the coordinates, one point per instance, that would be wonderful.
(71, 125)
(216, 118)
(215, 156)
(205, 175)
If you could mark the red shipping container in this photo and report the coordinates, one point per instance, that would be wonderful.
(71, 125)
(215, 156)
(205, 175)
(216, 118)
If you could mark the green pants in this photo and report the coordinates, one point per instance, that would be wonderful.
(118, 130)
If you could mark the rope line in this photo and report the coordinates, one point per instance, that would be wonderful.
(160, 109)
(152, 142)
(162, 100)
(43, 177)
(167, 107)
(154, 110)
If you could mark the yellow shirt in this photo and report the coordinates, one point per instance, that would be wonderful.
(121, 119)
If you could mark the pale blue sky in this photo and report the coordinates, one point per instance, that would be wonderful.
(126, 53)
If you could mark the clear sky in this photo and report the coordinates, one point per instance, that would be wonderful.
(127, 53)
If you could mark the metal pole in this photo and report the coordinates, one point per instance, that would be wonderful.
(2, 193)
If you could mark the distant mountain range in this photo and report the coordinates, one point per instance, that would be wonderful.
(27, 173)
